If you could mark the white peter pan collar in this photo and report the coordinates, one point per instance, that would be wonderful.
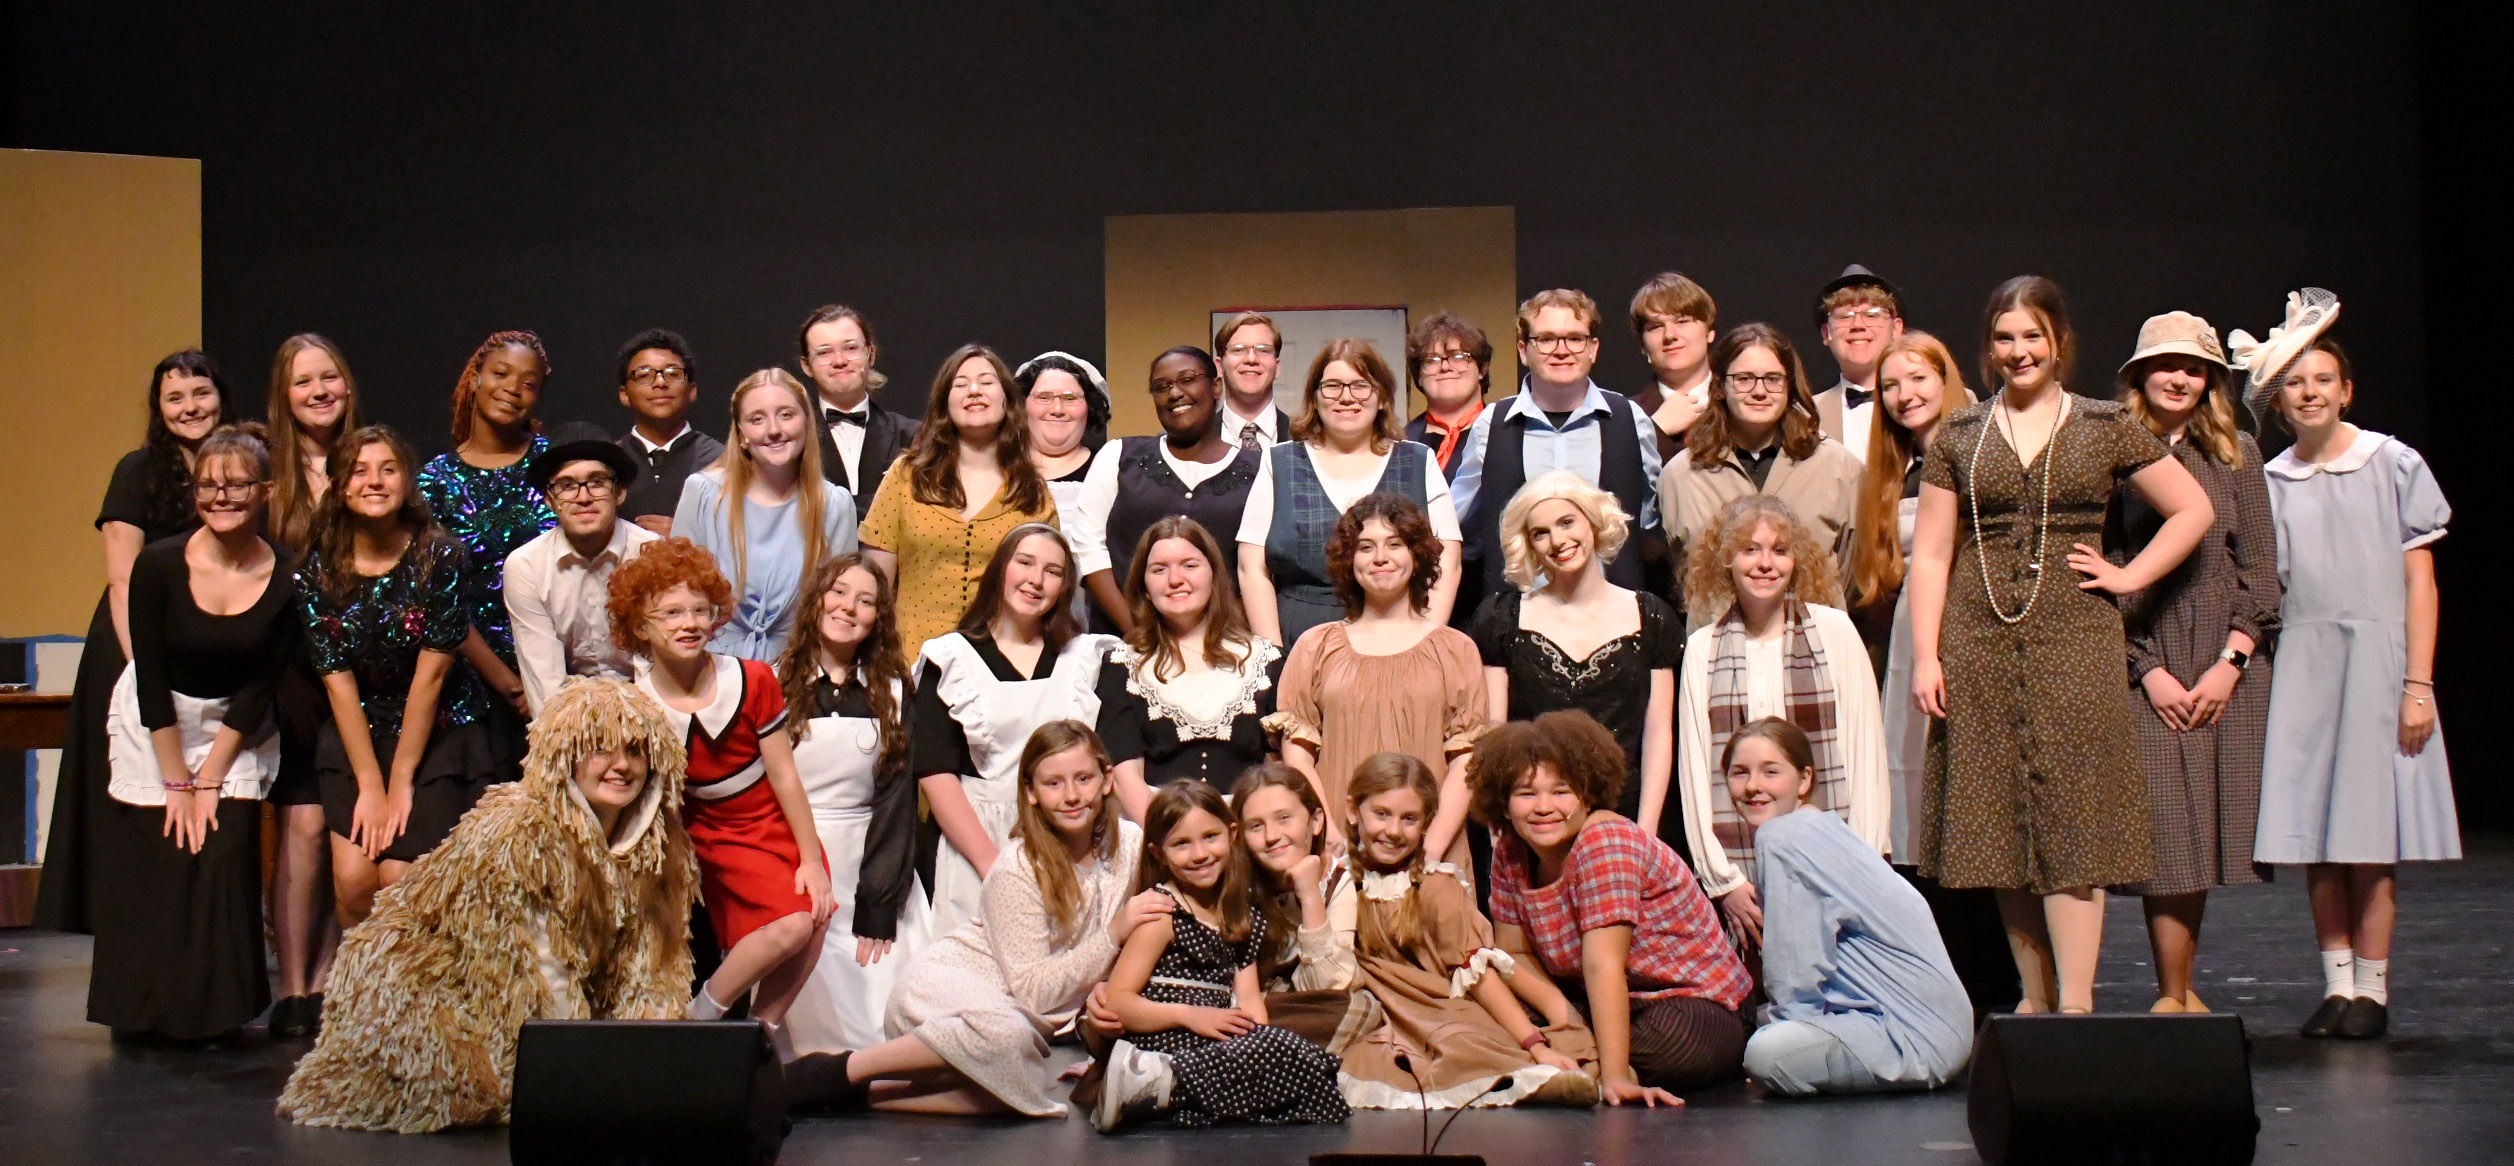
(720, 708)
(2360, 451)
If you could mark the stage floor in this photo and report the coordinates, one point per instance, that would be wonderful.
(2436, 1090)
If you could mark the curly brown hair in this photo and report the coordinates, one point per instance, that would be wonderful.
(1710, 576)
(1410, 523)
(1571, 743)
(663, 565)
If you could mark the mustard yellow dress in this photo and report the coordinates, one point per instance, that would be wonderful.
(941, 555)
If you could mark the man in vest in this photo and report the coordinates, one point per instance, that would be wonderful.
(1560, 420)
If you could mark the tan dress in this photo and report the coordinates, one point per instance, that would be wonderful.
(1456, 1048)
(940, 554)
(1428, 700)
(2033, 777)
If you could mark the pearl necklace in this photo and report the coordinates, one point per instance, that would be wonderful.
(2042, 526)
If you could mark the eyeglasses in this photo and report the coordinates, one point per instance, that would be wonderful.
(667, 616)
(219, 491)
(670, 374)
(1773, 381)
(1560, 344)
(1869, 315)
(1239, 350)
(851, 348)
(1058, 400)
(1181, 382)
(1347, 390)
(1456, 360)
(598, 486)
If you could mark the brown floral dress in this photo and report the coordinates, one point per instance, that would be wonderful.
(2033, 777)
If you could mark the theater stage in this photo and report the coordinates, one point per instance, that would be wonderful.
(2435, 1090)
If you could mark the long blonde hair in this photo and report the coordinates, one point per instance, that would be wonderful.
(1876, 535)
(293, 503)
(739, 474)
(2212, 427)
(1059, 889)
(1710, 578)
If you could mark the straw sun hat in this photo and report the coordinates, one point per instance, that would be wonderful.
(2177, 333)
(2310, 312)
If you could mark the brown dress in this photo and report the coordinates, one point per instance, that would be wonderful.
(1456, 1048)
(2204, 786)
(1428, 700)
(2033, 777)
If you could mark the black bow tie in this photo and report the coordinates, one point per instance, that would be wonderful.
(842, 417)
(1853, 396)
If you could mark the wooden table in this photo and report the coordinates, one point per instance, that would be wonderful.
(28, 720)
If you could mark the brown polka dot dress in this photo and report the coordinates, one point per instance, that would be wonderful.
(2033, 777)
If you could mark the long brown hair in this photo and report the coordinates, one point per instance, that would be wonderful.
(1376, 775)
(1801, 430)
(1059, 888)
(1227, 634)
(334, 533)
(2040, 298)
(1876, 533)
(2212, 426)
(293, 504)
(467, 387)
(1058, 625)
(934, 461)
(1282, 920)
(1387, 429)
(1710, 564)
(811, 495)
(878, 663)
(1234, 898)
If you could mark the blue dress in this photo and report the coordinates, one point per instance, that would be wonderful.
(765, 578)
(2334, 786)
(490, 512)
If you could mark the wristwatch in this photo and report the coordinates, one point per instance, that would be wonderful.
(2238, 659)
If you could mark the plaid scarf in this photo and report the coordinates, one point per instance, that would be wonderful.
(1806, 701)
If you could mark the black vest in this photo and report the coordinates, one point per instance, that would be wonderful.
(1505, 470)
(1148, 490)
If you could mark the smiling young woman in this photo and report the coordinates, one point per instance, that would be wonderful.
(766, 513)
(1186, 470)
(1187, 694)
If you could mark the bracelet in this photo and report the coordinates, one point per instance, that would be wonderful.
(2414, 680)
(1533, 1039)
(184, 787)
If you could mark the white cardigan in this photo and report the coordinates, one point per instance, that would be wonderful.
(1859, 734)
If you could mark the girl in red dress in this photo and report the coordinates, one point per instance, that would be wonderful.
(759, 859)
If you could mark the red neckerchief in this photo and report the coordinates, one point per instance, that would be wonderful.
(1447, 451)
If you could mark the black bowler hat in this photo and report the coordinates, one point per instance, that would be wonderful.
(1857, 276)
(580, 441)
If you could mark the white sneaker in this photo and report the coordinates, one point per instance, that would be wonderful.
(1135, 1085)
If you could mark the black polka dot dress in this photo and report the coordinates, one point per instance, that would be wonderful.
(1267, 1074)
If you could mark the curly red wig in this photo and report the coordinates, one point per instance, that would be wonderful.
(663, 565)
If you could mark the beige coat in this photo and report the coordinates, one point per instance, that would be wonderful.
(1823, 491)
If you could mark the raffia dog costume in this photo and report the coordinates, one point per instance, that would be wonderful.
(525, 912)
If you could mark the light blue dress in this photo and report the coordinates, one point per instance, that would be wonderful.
(1863, 996)
(768, 577)
(2334, 786)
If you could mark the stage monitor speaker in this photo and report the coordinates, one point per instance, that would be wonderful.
(2112, 1089)
(646, 1091)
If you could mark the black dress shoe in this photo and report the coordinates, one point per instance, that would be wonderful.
(2364, 1020)
(2324, 1022)
(816, 1083)
(289, 1017)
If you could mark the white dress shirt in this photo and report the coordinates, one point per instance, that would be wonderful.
(1257, 521)
(848, 438)
(653, 449)
(1579, 446)
(1856, 419)
(1263, 423)
(1086, 523)
(558, 602)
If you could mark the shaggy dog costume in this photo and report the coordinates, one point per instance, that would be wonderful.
(525, 912)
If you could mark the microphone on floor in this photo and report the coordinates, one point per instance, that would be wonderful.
(1500, 1083)
(1423, 1100)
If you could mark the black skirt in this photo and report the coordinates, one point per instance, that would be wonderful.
(303, 709)
(179, 935)
(88, 842)
(456, 769)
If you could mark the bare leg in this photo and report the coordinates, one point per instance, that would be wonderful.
(2326, 888)
(2075, 918)
(783, 983)
(908, 1076)
(898, 1057)
(354, 883)
(296, 898)
(2173, 934)
(2029, 940)
(391, 870)
(2371, 893)
(755, 956)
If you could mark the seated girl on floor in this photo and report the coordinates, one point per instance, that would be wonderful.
(565, 896)
(1199, 1050)
(1863, 996)
(1458, 1031)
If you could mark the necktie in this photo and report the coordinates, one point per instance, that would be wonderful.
(842, 417)
(1250, 438)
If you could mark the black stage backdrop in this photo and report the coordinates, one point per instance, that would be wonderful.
(409, 179)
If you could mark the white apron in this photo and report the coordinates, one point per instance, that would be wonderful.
(841, 1005)
(996, 718)
(1906, 727)
(136, 779)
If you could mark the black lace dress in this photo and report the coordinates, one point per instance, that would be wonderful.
(1266, 1075)
(1612, 684)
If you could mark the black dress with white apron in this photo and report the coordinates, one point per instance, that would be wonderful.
(867, 820)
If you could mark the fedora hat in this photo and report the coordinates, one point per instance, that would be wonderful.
(2310, 312)
(580, 441)
(1857, 276)
(2177, 333)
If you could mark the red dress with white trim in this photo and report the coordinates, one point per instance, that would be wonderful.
(746, 850)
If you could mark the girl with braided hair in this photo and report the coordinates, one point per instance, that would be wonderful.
(560, 897)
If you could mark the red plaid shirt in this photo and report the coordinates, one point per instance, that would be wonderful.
(1618, 875)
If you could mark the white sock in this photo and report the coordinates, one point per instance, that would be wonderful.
(2339, 977)
(704, 1006)
(2372, 977)
(779, 1041)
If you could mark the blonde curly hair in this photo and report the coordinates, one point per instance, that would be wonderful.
(1520, 563)
(1710, 581)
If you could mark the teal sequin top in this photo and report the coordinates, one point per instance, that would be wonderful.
(490, 512)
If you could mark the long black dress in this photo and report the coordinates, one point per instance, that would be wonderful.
(1612, 684)
(179, 935)
(1209, 727)
(89, 841)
